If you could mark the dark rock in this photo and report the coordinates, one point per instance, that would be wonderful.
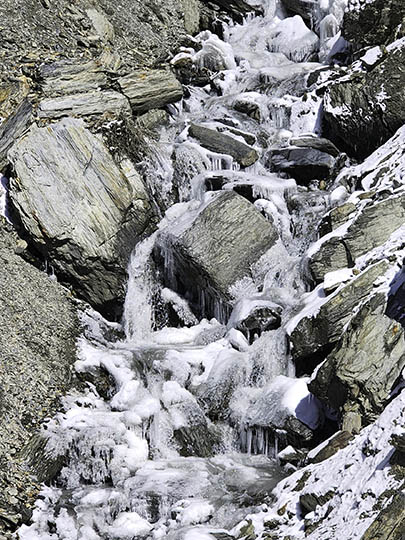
(255, 316)
(37, 352)
(215, 249)
(398, 441)
(236, 8)
(318, 333)
(150, 89)
(224, 144)
(390, 522)
(336, 443)
(362, 111)
(375, 22)
(79, 209)
(361, 371)
(371, 228)
(310, 501)
(308, 9)
(303, 164)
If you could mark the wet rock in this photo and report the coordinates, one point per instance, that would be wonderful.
(320, 332)
(150, 89)
(236, 8)
(308, 9)
(78, 208)
(303, 164)
(390, 522)
(211, 251)
(224, 144)
(363, 110)
(370, 228)
(336, 443)
(362, 370)
(15, 125)
(375, 22)
(255, 316)
(91, 103)
(37, 352)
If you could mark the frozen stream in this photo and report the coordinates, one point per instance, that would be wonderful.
(170, 451)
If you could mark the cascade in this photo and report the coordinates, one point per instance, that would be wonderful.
(172, 448)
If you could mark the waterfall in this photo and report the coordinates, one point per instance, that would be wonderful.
(174, 445)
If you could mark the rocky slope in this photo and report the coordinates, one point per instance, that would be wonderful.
(256, 175)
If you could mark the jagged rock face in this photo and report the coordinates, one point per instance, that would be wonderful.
(390, 522)
(215, 250)
(314, 334)
(372, 226)
(359, 375)
(375, 22)
(39, 327)
(363, 110)
(78, 208)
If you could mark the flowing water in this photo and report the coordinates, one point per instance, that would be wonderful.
(178, 446)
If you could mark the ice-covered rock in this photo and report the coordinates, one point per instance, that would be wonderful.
(252, 316)
(206, 252)
(79, 208)
(359, 375)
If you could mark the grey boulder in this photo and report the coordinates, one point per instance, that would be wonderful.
(206, 255)
(15, 125)
(357, 378)
(79, 209)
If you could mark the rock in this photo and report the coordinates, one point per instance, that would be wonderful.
(237, 8)
(374, 22)
(79, 209)
(224, 144)
(363, 110)
(398, 442)
(15, 125)
(91, 103)
(317, 334)
(303, 164)
(310, 501)
(101, 24)
(37, 352)
(368, 360)
(208, 253)
(150, 89)
(370, 228)
(255, 316)
(390, 522)
(335, 218)
(308, 9)
(340, 440)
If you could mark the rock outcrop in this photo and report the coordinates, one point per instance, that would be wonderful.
(79, 209)
(207, 254)
(363, 109)
(38, 334)
(357, 378)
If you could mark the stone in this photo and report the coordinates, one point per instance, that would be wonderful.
(237, 8)
(310, 501)
(390, 522)
(15, 125)
(308, 9)
(39, 328)
(150, 89)
(320, 332)
(254, 316)
(302, 164)
(206, 254)
(370, 228)
(340, 440)
(374, 22)
(87, 104)
(101, 24)
(360, 373)
(79, 209)
(221, 143)
(363, 110)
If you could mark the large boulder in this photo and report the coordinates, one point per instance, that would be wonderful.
(357, 378)
(318, 333)
(364, 109)
(39, 327)
(15, 125)
(370, 228)
(79, 209)
(374, 22)
(206, 254)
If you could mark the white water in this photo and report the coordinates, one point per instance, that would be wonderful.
(171, 453)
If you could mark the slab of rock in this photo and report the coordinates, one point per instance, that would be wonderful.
(318, 333)
(224, 144)
(360, 373)
(87, 104)
(150, 89)
(302, 163)
(78, 208)
(340, 440)
(15, 125)
(390, 522)
(374, 22)
(362, 111)
(206, 255)
(371, 228)
(39, 328)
